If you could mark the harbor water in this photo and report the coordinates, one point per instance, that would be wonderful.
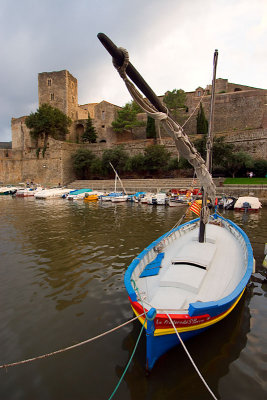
(62, 266)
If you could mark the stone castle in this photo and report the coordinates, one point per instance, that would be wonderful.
(240, 115)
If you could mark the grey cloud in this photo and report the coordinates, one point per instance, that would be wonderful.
(169, 41)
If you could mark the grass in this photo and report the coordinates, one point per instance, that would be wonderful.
(245, 181)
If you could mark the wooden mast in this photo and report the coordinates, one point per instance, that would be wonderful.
(209, 144)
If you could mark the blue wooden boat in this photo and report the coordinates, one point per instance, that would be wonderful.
(193, 276)
(196, 284)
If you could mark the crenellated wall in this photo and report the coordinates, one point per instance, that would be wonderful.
(232, 111)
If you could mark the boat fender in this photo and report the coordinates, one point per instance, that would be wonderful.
(151, 314)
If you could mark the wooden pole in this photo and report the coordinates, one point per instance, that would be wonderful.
(201, 236)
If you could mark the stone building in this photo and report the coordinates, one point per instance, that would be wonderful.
(60, 89)
(240, 115)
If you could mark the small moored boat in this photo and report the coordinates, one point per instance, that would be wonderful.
(247, 203)
(227, 202)
(196, 284)
(119, 199)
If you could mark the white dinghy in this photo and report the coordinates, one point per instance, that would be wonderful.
(247, 203)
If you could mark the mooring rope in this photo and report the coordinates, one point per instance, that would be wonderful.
(69, 347)
(191, 359)
(129, 362)
(136, 288)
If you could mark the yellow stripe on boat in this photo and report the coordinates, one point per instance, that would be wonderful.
(159, 332)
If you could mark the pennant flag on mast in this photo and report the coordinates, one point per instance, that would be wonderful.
(195, 208)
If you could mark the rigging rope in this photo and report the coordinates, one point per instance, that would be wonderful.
(70, 347)
(190, 358)
(197, 106)
(184, 146)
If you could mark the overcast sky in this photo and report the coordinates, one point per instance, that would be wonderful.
(170, 42)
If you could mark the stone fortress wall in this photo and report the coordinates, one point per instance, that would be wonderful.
(240, 115)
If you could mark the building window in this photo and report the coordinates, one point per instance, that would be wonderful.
(49, 82)
(103, 126)
(103, 115)
(198, 93)
(72, 99)
(52, 96)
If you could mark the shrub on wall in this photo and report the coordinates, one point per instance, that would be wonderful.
(117, 157)
(260, 168)
(136, 163)
(82, 161)
(156, 158)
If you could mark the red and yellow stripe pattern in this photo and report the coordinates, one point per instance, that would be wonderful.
(182, 322)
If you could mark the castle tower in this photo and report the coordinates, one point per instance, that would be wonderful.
(59, 89)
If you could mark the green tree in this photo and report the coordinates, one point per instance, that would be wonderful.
(48, 121)
(82, 161)
(260, 167)
(89, 134)
(202, 123)
(156, 157)
(150, 128)
(136, 163)
(184, 164)
(118, 158)
(173, 164)
(175, 101)
(221, 151)
(200, 145)
(96, 167)
(127, 118)
(239, 161)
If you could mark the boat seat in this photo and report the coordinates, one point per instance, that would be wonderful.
(200, 254)
(153, 267)
(184, 276)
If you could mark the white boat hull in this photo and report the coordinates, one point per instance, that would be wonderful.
(248, 203)
(119, 199)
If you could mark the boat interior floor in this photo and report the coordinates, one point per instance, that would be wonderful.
(191, 271)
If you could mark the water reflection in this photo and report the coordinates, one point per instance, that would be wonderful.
(251, 218)
(74, 244)
(61, 281)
